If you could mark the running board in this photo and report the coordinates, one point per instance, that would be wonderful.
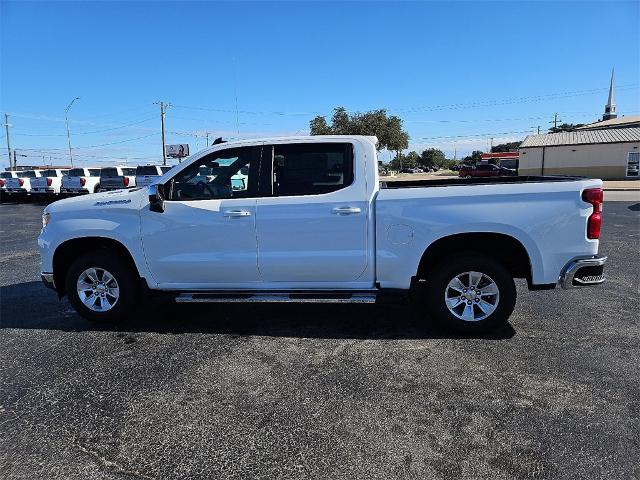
(277, 298)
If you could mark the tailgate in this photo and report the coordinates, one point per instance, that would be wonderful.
(40, 182)
(111, 183)
(71, 182)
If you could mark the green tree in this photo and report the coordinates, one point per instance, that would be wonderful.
(565, 127)
(474, 158)
(506, 147)
(432, 157)
(388, 129)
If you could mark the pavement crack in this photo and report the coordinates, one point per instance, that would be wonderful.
(111, 465)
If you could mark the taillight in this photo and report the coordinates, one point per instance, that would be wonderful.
(125, 181)
(21, 181)
(82, 181)
(1, 183)
(49, 181)
(594, 196)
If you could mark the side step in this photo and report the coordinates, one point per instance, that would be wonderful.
(276, 298)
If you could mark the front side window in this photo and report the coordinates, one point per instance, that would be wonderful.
(311, 169)
(224, 174)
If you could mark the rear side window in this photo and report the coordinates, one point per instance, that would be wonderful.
(147, 170)
(94, 172)
(109, 172)
(311, 169)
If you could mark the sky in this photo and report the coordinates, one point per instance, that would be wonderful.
(457, 73)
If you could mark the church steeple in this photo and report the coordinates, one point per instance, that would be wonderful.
(610, 107)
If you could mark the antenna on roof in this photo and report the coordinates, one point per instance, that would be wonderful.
(218, 140)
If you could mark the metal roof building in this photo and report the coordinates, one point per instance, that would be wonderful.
(603, 153)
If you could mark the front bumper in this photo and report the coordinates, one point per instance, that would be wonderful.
(583, 272)
(47, 279)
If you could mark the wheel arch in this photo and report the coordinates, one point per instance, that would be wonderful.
(68, 251)
(506, 248)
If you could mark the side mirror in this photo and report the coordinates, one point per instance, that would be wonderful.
(156, 198)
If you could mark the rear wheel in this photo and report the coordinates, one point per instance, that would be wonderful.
(101, 286)
(470, 293)
(96, 189)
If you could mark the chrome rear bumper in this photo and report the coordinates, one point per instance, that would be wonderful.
(583, 272)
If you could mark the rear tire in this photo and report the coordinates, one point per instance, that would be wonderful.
(102, 287)
(470, 293)
(96, 189)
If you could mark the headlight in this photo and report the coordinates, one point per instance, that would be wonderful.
(46, 217)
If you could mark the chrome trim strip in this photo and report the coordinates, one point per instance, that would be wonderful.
(566, 278)
(272, 298)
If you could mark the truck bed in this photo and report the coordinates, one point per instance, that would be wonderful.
(447, 182)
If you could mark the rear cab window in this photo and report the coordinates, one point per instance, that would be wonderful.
(27, 174)
(94, 172)
(129, 171)
(6, 175)
(76, 172)
(109, 172)
(311, 168)
(146, 170)
(49, 173)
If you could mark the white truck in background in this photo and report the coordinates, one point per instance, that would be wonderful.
(81, 180)
(311, 221)
(49, 182)
(21, 183)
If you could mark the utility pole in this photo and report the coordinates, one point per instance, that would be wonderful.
(7, 125)
(555, 120)
(163, 108)
(66, 119)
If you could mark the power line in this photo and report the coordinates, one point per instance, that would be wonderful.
(86, 133)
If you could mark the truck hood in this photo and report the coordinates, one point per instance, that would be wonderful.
(117, 198)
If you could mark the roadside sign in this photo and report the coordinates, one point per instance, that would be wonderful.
(177, 151)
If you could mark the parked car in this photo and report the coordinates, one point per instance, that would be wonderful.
(315, 224)
(117, 178)
(487, 170)
(148, 174)
(49, 182)
(4, 176)
(407, 170)
(21, 183)
(81, 180)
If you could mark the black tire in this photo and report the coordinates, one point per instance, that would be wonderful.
(446, 270)
(119, 268)
(96, 189)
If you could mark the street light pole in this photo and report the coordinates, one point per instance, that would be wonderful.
(66, 119)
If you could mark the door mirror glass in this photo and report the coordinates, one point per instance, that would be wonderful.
(156, 198)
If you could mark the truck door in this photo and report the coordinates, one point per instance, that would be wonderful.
(206, 236)
(312, 221)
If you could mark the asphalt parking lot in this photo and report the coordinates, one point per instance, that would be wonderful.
(323, 391)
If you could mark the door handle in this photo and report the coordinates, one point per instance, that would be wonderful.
(237, 213)
(345, 210)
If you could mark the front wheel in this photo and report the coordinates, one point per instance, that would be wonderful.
(101, 286)
(470, 293)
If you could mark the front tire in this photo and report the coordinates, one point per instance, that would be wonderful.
(102, 287)
(470, 293)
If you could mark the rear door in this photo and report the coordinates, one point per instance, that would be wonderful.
(312, 223)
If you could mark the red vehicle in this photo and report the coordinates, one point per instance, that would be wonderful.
(486, 170)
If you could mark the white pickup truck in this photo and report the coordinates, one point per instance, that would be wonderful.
(310, 221)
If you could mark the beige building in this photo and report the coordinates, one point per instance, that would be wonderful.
(612, 153)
